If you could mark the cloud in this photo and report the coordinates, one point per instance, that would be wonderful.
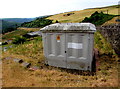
(33, 8)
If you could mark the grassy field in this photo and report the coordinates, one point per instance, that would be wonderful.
(112, 21)
(28, 29)
(55, 77)
(14, 75)
(80, 15)
(13, 34)
(48, 76)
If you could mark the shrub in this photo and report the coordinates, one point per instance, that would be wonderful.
(19, 40)
(4, 43)
(98, 18)
(39, 22)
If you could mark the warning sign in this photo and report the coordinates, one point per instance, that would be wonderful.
(58, 38)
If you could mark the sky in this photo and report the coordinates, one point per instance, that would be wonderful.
(36, 8)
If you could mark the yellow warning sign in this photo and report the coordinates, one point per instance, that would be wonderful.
(58, 38)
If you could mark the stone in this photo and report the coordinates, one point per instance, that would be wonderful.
(18, 60)
(34, 68)
(5, 49)
(8, 58)
(26, 65)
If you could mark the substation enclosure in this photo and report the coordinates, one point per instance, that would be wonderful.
(69, 45)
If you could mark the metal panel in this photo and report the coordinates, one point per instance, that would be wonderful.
(77, 51)
(55, 49)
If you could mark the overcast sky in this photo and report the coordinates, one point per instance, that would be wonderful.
(35, 8)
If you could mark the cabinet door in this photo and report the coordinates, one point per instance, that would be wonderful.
(56, 49)
(77, 50)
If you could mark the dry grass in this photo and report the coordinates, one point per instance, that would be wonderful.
(30, 51)
(112, 21)
(28, 29)
(16, 76)
(80, 15)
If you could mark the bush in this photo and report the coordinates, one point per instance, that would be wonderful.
(98, 18)
(39, 22)
(4, 43)
(19, 40)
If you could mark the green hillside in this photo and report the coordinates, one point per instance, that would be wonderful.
(31, 51)
(78, 16)
(39, 22)
(8, 26)
(98, 18)
(18, 20)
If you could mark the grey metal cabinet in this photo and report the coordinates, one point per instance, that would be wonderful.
(69, 45)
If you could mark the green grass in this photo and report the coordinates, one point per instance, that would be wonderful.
(101, 44)
(98, 18)
(13, 34)
(30, 49)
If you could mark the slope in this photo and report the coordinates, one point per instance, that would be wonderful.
(18, 20)
(78, 16)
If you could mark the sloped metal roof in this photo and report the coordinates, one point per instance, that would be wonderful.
(69, 27)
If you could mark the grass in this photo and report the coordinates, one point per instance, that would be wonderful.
(102, 45)
(14, 75)
(78, 16)
(112, 21)
(28, 29)
(55, 77)
(33, 50)
(48, 76)
(13, 34)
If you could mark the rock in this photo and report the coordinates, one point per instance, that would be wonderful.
(10, 46)
(18, 60)
(34, 68)
(8, 58)
(5, 49)
(26, 65)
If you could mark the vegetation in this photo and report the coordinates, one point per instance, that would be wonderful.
(102, 45)
(18, 20)
(98, 18)
(78, 16)
(8, 26)
(47, 76)
(39, 22)
(19, 40)
(13, 34)
(11, 24)
(112, 21)
(28, 29)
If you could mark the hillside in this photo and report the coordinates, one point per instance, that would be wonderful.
(37, 23)
(98, 18)
(18, 20)
(15, 74)
(47, 76)
(8, 26)
(77, 16)
(112, 21)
